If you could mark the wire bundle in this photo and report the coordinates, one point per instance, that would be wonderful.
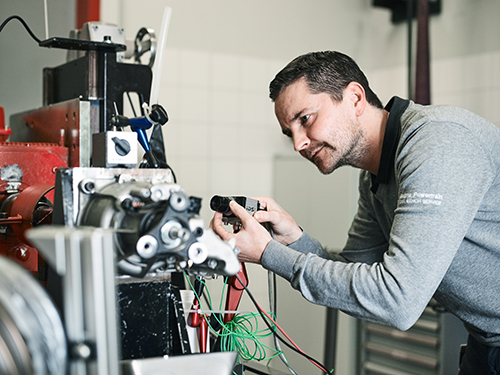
(293, 345)
(241, 334)
(244, 327)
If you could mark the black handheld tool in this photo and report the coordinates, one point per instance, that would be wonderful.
(221, 204)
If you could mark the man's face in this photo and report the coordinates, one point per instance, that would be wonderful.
(323, 131)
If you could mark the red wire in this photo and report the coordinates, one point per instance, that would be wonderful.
(288, 337)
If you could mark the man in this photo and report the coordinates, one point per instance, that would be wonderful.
(428, 221)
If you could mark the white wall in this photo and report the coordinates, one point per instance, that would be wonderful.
(21, 59)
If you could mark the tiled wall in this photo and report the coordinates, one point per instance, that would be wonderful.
(471, 82)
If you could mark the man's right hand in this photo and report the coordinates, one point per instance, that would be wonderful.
(285, 229)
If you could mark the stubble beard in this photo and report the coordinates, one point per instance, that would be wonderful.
(331, 158)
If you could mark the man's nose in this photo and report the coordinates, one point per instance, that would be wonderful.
(300, 141)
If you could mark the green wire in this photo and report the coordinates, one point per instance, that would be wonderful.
(242, 330)
(201, 305)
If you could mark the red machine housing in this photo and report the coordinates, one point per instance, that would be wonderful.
(27, 178)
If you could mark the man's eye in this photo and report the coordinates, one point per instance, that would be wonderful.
(304, 119)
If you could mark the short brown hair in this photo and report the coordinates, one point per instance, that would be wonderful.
(327, 71)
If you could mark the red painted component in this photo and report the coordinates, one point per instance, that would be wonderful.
(194, 316)
(27, 172)
(234, 292)
(36, 162)
(4, 133)
(56, 124)
(87, 11)
(203, 335)
(197, 320)
(25, 206)
(23, 254)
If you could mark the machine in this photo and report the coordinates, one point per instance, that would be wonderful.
(103, 233)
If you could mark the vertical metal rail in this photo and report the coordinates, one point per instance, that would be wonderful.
(84, 259)
(330, 337)
(410, 7)
(422, 75)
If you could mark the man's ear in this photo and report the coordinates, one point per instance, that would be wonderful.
(356, 94)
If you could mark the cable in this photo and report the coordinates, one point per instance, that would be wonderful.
(24, 24)
(294, 347)
(273, 303)
(273, 306)
(235, 333)
(131, 104)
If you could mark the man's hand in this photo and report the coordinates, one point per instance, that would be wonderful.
(285, 229)
(253, 238)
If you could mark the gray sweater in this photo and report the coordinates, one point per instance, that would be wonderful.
(430, 228)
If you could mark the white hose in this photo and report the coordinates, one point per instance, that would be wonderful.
(160, 50)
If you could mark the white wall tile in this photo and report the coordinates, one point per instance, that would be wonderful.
(256, 108)
(450, 75)
(193, 103)
(254, 176)
(254, 74)
(193, 140)
(495, 68)
(194, 68)
(225, 177)
(225, 107)
(225, 71)
(225, 142)
(170, 74)
(399, 78)
(171, 137)
(493, 106)
(389, 82)
(478, 71)
(192, 174)
(257, 143)
(378, 83)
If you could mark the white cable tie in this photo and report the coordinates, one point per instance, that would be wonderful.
(219, 312)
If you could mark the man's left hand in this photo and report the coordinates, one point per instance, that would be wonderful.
(251, 239)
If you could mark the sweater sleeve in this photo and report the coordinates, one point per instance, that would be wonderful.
(281, 259)
(440, 187)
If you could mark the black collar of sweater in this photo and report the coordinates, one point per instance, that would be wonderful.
(395, 107)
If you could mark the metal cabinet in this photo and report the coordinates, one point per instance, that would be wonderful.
(430, 347)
